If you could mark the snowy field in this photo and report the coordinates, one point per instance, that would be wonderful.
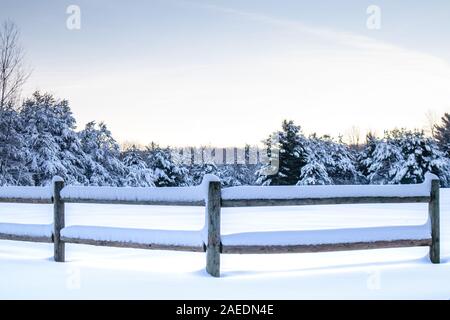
(27, 269)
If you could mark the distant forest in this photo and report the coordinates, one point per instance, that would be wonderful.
(38, 140)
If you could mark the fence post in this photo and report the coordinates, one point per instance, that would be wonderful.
(58, 220)
(213, 225)
(433, 212)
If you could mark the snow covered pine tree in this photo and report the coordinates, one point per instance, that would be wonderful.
(53, 146)
(103, 166)
(13, 152)
(138, 173)
(167, 171)
(403, 156)
(442, 134)
(293, 156)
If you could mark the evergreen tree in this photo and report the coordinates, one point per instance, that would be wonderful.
(337, 158)
(314, 172)
(404, 157)
(442, 134)
(420, 155)
(137, 172)
(53, 146)
(268, 165)
(292, 156)
(168, 172)
(103, 165)
(203, 164)
(13, 170)
(380, 160)
(232, 175)
(364, 157)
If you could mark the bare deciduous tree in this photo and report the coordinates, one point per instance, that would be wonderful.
(354, 135)
(12, 72)
(432, 120)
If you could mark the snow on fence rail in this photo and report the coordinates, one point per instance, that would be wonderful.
(26, 194)
(210, 195)
(186, 196)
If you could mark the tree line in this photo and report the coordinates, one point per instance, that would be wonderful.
(399, 157)
(39, 140)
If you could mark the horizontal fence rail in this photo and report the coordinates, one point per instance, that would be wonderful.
(141, 238)
(306, 248)
(319, 201)
(138, 202)
(210, 195)
(135, 245)
(323, 195)
(24, 237)
(327, 240)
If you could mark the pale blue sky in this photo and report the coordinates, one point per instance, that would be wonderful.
(227, 72)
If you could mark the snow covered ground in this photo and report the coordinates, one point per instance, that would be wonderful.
(28, 271)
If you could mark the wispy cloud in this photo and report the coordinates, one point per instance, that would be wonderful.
(332, 36)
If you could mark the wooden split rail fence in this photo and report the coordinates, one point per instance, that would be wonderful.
(216, 198)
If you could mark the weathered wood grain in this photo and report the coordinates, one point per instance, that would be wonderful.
(213, 224)
(26, 200)
(320, 201)
(14, 237)
(254, 249)
(433, 211)
(58, 222)
(136, 202)
(135, 245)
